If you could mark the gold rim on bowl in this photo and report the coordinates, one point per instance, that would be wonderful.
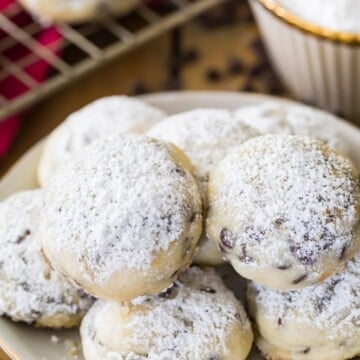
(306, 26)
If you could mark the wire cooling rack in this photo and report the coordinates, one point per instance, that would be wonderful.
(86, 46)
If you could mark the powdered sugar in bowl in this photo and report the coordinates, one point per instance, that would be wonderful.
(315, 49)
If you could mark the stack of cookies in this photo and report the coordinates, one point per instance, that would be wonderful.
(136, 208)
(294, 231)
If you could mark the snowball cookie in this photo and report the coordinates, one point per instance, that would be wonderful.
(320, 322)
(278, 118)
(197, 318)
(30, 290)
(205, 135)
(285, 210)
(123, 217)
(101, 118)
(76, 10)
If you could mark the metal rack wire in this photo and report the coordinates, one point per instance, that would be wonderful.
(88, 46)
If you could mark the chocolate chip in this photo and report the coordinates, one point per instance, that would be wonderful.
(238, 317)
(213, 75)
(283, 266)
(258, 68)
(279, 221)
(343, 253)
(257, 46)
(77, 283)
(306, 351)
(22, 237)
(227, 239)
(50, 300)
(25, 286)
(305, 257)
(255, 234)
(208, 290)
(98, 258)
(272, 83)
(280, 321)
(180, 171)
(189, 56)
(247, 85)
(299, 279)
(138, 87)
(330, 218)
(327, 295)
(172, 84)
(244, 257)
(235, 66)
(35, 313)
(188, 323)
(170, 293)
(169, 223)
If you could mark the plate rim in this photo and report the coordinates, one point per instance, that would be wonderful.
(168, 98)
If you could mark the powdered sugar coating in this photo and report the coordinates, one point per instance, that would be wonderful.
(30, 290)
(275, 118)
(331, 310)
(285, 210)
(197, 318)
(103, 117)
(124, 204)
(206, 136)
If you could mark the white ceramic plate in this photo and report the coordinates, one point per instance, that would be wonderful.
(26, 343)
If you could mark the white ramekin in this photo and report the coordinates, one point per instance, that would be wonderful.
(318, 65)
